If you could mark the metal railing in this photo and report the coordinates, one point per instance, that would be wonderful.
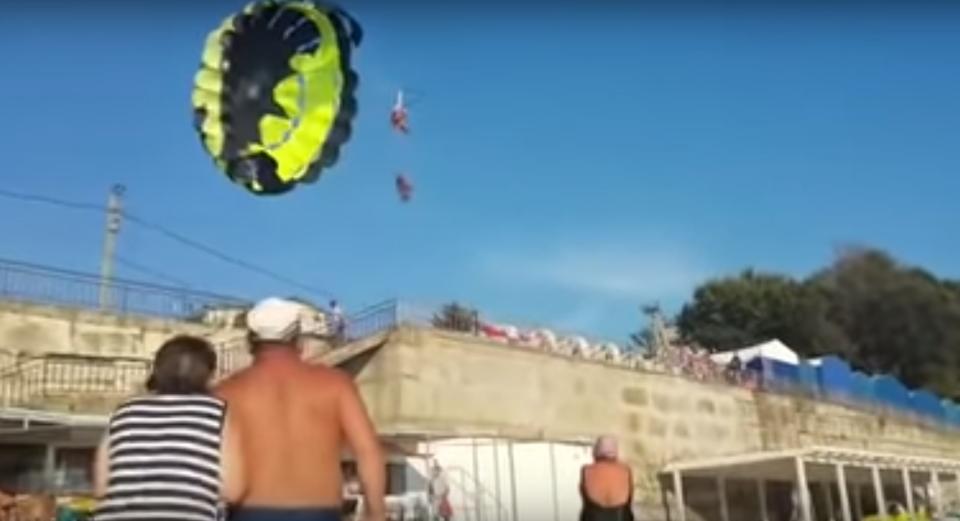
(232, 356)
(372, 320)
(39, 380)
(44, 285)
(479, 503)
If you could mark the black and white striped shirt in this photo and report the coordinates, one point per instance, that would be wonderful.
(164, 454)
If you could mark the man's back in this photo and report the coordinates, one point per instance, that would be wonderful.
(607, 483)
(293, 420)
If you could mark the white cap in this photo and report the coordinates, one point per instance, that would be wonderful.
(276, 319)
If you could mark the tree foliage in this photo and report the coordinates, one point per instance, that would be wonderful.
(641, 341)
(455, 317)
(880, 315)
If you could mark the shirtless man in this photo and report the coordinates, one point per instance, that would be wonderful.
(296, 418)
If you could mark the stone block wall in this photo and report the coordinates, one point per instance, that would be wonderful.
(429, 381)
(30, 330)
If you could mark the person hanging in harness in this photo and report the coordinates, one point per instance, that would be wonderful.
(399, 117)
(404, 188)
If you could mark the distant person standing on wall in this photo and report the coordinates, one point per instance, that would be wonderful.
(606, 485)
(297, 419)
(734, 370)
(439, 494)
(174, 453)
(339, 323)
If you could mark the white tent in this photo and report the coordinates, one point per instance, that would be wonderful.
(773, 349)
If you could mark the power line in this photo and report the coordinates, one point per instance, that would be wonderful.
(169, 234)
(146, 270)
(197, 245)
(52, 201)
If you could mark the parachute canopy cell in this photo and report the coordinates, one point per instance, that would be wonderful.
(273, 100)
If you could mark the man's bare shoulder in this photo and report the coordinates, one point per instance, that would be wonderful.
(232, 385)
(331, 377)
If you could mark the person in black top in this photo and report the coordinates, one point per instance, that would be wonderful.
(606, 485)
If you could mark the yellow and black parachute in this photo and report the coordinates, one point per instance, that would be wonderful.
(274, 98)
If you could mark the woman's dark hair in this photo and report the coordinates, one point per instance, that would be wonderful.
(183, 365)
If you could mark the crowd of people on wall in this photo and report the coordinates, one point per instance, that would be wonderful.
(677, 358)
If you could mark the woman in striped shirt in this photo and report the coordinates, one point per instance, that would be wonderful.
(173, 454)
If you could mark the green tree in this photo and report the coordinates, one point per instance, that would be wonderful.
(455, 317)
(882, 316)
(641, 340)
(734, 312)
(657, 335)
(901, 320)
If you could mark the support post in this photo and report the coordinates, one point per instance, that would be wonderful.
(722, 493)
(513, 482)
(762, 495)
(828, 498)
(956, 481)
(496, 479)
(907, 490)
(803, 491)
(878, 491)
(475, 478)
(842, 489)
(858, 501)
(114, 217)
(553, 482)
(937, 493)
(50, 467)
(678, 496)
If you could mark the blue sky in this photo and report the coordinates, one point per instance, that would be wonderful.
(569, 164)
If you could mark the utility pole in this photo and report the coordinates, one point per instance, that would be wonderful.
(114, 217)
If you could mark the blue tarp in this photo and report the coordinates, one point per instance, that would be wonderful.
(952, 411)
(863, 388)
(775, 374)
(927, 404)
(807, 376)
(890, 393)
(836, 379)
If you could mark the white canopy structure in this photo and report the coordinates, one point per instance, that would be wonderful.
(830, 466)
(773, 349)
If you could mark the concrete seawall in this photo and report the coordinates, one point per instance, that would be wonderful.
(31, 330)
(432, 384)
(436, 382)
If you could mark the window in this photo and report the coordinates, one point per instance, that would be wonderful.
(396, 478)
(74, 469)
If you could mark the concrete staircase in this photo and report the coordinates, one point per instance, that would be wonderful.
(95, 385)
